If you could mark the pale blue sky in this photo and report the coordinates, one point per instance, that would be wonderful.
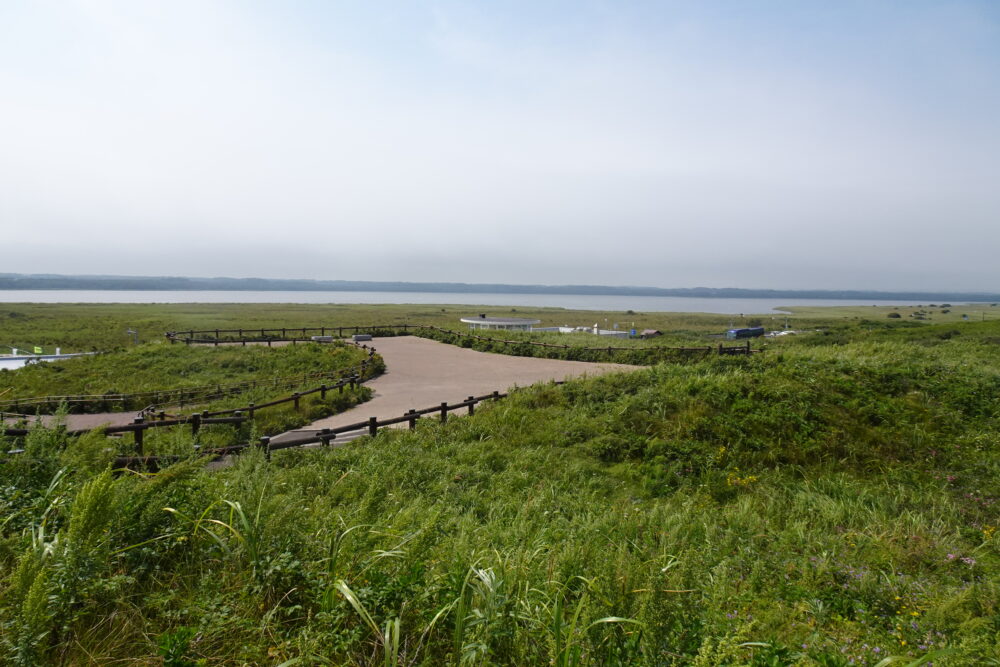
(752, 144)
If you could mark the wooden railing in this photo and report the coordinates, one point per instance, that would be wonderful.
(322, 437)
(238, 415)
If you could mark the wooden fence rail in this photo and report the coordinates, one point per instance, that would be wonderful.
(321, 437)
(239, 416)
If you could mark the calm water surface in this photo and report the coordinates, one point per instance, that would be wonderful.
(676, 304)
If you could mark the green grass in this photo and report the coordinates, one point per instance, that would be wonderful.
(829, 501)
(155, 368)
(937, 313)
(86, 327)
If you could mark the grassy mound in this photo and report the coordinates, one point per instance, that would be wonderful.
(151, 368)
(821, 505)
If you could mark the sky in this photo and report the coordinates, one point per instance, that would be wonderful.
(789, 145)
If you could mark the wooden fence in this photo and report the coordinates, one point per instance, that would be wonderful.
(237, 415)
(322, 437)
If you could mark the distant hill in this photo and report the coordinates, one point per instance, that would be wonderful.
(19, 281)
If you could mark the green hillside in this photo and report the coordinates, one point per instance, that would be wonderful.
(832, 501)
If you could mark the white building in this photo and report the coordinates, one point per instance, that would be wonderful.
(506, 323)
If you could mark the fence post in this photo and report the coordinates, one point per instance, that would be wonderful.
(748, 347)
(444, 412)
(413, 419)
(372, 426)
(195, 423)
(322, 392)
(239, 415)
(138, 435)
(265, 444)
(269, 342)
(472, 404)
(325, 437)
(250, 411)
(295, 400)
(496, 395)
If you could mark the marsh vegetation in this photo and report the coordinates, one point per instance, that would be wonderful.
(830, 502)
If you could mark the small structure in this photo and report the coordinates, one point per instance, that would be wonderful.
(506, 323)
(650, 333)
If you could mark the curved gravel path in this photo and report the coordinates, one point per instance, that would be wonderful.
(421, 373)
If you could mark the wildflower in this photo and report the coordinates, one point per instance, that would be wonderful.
(969, 561)
(952, 556)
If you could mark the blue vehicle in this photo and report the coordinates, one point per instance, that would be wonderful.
(752, 332)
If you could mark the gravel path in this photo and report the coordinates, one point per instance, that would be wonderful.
(422, 373)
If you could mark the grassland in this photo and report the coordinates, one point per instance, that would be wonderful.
(830, 502)
(155, 367)
(86, 327)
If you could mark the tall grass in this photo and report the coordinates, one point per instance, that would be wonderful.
(816, 505)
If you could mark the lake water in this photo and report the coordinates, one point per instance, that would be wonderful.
(642, 304)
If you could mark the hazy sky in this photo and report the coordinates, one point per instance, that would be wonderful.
(750, 144)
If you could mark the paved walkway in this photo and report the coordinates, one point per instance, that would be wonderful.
(421, 373)
(84, 421)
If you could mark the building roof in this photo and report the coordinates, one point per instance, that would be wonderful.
(509, 321)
